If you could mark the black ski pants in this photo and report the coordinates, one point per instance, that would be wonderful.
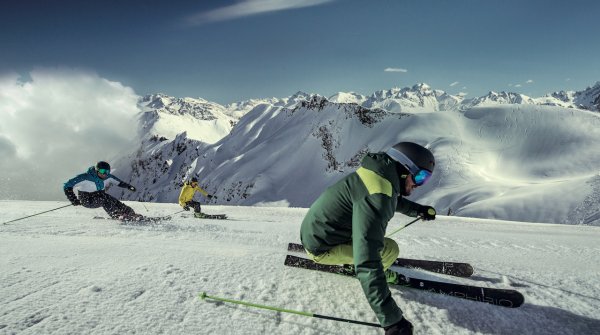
(111, 205)
(195, 205)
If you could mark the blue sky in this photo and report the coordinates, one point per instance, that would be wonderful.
(227, 51)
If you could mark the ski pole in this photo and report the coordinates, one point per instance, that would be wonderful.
(36, 214)
(176, 212)
(203, 296)
(406, 225)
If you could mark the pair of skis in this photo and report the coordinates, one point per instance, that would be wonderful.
(156, 219)
(499, 297)
(137, 220)
(447, 268)
(211, 216)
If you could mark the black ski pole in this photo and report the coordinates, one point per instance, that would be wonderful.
(203, 296)
(406, 225)
(35, 214)
(176, 212)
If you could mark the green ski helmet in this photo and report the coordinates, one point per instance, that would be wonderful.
(418, 160)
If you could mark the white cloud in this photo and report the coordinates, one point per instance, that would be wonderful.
(529, 81)
(56, 125)
(395, 69)
(518, 85)
(454, 83)
(248, 8)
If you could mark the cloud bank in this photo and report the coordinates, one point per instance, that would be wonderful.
(57, 124)
(248, 8)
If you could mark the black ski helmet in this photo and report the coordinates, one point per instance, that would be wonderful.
(194, 180)
(408, 153)
(102, 165)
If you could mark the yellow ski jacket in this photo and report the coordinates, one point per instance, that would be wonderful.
(187, 193)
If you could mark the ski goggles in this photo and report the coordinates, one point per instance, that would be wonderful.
(103, 171)
(420, 176)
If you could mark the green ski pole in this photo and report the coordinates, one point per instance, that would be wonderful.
(203, 296)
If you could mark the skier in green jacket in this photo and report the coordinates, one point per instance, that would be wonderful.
(347, 223)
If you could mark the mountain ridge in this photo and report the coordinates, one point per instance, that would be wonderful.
(287, 152)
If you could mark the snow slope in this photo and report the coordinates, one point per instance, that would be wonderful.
(66, 273)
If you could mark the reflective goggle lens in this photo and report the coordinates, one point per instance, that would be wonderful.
(422, 177)
(103, 171)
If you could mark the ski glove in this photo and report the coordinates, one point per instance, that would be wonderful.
(186, 208)
(403, 327)
(427, 213)
(127, 186)
(75, 202)
(210, 196)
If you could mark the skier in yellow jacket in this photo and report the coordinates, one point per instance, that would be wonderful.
(187, 194)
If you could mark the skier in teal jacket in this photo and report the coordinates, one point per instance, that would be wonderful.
(90, 187)
(347, 223)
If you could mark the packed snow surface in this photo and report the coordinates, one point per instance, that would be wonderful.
(64, 272)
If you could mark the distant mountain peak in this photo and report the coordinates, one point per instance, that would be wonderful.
(589, 98)
(347, 97)
(197, 107)
(300, 94)
(422, 87)
(155, 101)
(502, 97)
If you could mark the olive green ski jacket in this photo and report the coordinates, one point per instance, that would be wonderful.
(357, 210)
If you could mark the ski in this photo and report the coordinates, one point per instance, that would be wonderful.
(214, 216)
(495, 296)
(210, 216)
(140, 220)
(447, 268)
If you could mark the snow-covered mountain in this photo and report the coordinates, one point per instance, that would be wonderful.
(348, 98)
(504, 155)
(498, 98)
(239, 109)
(587, 99)
(422, 96)
(164, 116)
(419, 97)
